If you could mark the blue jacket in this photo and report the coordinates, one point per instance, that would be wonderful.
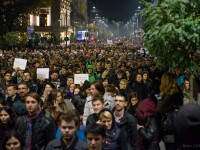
(80, 133)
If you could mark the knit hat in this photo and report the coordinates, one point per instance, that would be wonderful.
(86, 85)
(187, 124)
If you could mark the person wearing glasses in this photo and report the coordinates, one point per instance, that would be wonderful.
(125, 121)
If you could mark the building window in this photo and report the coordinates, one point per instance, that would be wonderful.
(43, 20)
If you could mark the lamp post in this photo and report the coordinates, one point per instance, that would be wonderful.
(139, 16)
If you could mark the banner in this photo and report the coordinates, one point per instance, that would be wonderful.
(20, 63)
(80, 78)
(43, 73)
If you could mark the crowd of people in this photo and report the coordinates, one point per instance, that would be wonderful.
(124, 105)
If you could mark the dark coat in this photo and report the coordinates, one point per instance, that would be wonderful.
(43, 130)
(168, 101)
(19, 107)
(32, 86)
(140, 89)
(92, 119)
(115, 140)
(79, 102)
(128, 123)
(150, 134)
(9, 101)
(58, 144)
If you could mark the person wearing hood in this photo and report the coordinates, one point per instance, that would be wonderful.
(148, 125)
(91, 73)
(115, 137)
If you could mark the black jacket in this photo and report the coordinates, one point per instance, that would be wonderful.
(128, 123)
(43, 131)
(79, 102)
(9, 102)
(168, 101)
(115, 140)
(19, 107)
(140, 89)
(58, 144)
(92, 119)
(150, 134)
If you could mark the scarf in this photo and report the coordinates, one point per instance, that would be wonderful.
(29, 124)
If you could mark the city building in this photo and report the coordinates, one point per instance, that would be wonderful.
(52, 23)
(79, 16)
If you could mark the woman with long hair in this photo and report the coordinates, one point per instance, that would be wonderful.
(47, 89)
(133, 102)
(13, 141)
(7, 121)
(55, 105)
(171, 101)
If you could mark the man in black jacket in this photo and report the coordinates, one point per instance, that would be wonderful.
(14, 101)
(97, 105)
(35, 128)
(125, 121)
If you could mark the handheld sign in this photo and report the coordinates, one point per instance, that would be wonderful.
(43, 73)
(80, 78)
(109, 42)
(20, 63)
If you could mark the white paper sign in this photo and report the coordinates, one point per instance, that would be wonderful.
(20, 63)
(43, 72)
(78, 78)
(109, 42)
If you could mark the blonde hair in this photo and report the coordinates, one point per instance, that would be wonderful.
(124, 81)
(169, 84)
(105, 114)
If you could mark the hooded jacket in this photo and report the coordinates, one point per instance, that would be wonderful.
(115, 137)
(150, 133)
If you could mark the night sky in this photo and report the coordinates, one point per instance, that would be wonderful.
(117, 10)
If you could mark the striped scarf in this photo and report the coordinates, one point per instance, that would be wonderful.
(29, 124)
